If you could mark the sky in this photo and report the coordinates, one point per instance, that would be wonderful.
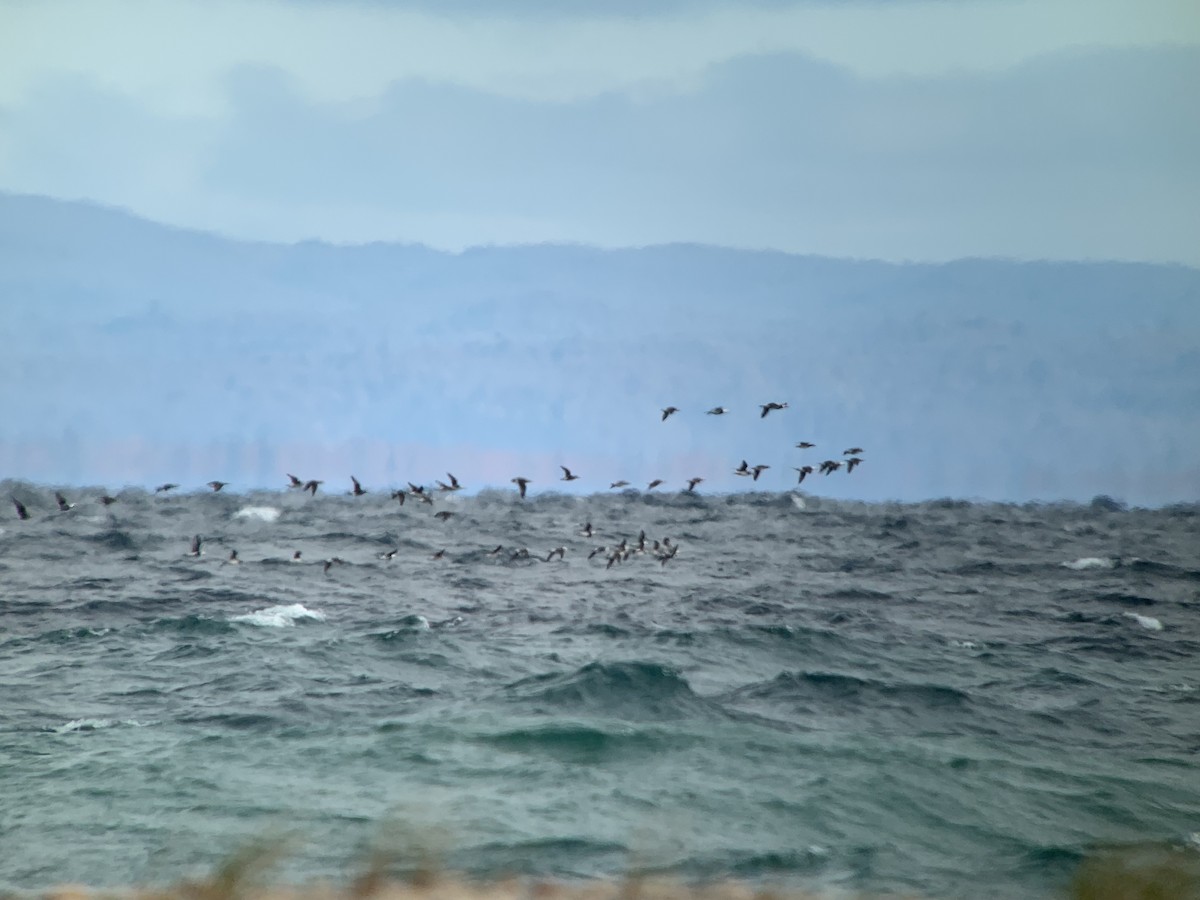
(889, 129)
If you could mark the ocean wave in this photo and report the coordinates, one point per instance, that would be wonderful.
(280, 616)
(577, 742)
(258, 513)
(1148, 622)
(628, 690)
(1091, 562)
(98, 724)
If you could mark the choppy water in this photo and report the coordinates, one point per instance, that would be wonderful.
(953, 698)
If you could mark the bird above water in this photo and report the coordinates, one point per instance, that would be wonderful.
(717, 411)
(22, 512)
(619, 484)
(804, 472)
(521, 483)
(294, 482)
(666, 413)
(805, 445)
(63, 505)
(655, 483)
(567, 476)
(357, 490)
(767, 407)
(312, 485)
(163, 488)
(758, 470)
(692, 482)
(217, 485)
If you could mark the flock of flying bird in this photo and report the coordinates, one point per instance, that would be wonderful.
(663, 550)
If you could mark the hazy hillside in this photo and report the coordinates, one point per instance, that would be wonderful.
(978, 378)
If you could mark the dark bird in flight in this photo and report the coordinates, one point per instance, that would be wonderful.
(655, 483)
(233, 559)
(587, 530)
(107, 500)
(443, 515)
(717, 411)
(358, 489)
(804, 471)
(668, 411)
(692, 482)
(294, 482)
(22, 512)
(521, 484)
(851, 463)
(439, 555)
(387, 554)
(560, 552)
(452, 486)
(496, 552)
(163, 488)
(830, 465)
(758, 470)
(63, 505)
(767, 407)
(853, 451)
(567, 476)
(399, 495)
(296, 556)
(805, 445)
(619, 484)
(312, 485)
(217, 485)
(195, 548)
(743, 469)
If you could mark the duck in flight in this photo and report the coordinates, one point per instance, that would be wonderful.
(853, 451)
(163, 488)
(743, 469)
(63, 505)
(692, 482)
(758, 470)
(804, 471)
(567, 476)
(655, 483)
(521, 483)
(217, 485)
(452, 486)
(851, 463)
(669, 411)
(195, 549)
(618, 484)
(357, 490)
(806, 445)
(717, 411)
(293, 481)
(768, 407)
(22, 512)
(311, 486)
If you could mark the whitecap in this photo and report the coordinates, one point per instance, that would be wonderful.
(261, 513)
(280, 616)
(1091, 562)
(1148, 622)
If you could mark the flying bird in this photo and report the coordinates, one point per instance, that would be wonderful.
(163, 488)
(22, 512)
(107, 500)
(196, 546)
(743, 469)
(851, 463)
(758, 470)
(619, 484)
(804, 471)
(312, 485)
(717, 411)
(767, 407)
(217, 485)
(443, 515)
(567, 476)
(692, 482)
(399, 495)
(452, 486)
(668, 411)
(805, 445)
(63, 505)
(560, 552)
(830, 465)
(655, 483)
(853, 451)
(357, 491)
(294, 482)
(587, 530)
(233, 559)
(521, 484)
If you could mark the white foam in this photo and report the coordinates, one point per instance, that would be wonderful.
(1148, 622)
(280, 616)
(262, 513)
(1091, 562)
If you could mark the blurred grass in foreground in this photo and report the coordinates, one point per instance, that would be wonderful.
(1133, 872)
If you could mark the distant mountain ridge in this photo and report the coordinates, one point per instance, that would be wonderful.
(984, 378)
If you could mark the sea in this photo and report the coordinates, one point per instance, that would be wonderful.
(950, 699)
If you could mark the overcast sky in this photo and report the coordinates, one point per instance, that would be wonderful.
(895, 130)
